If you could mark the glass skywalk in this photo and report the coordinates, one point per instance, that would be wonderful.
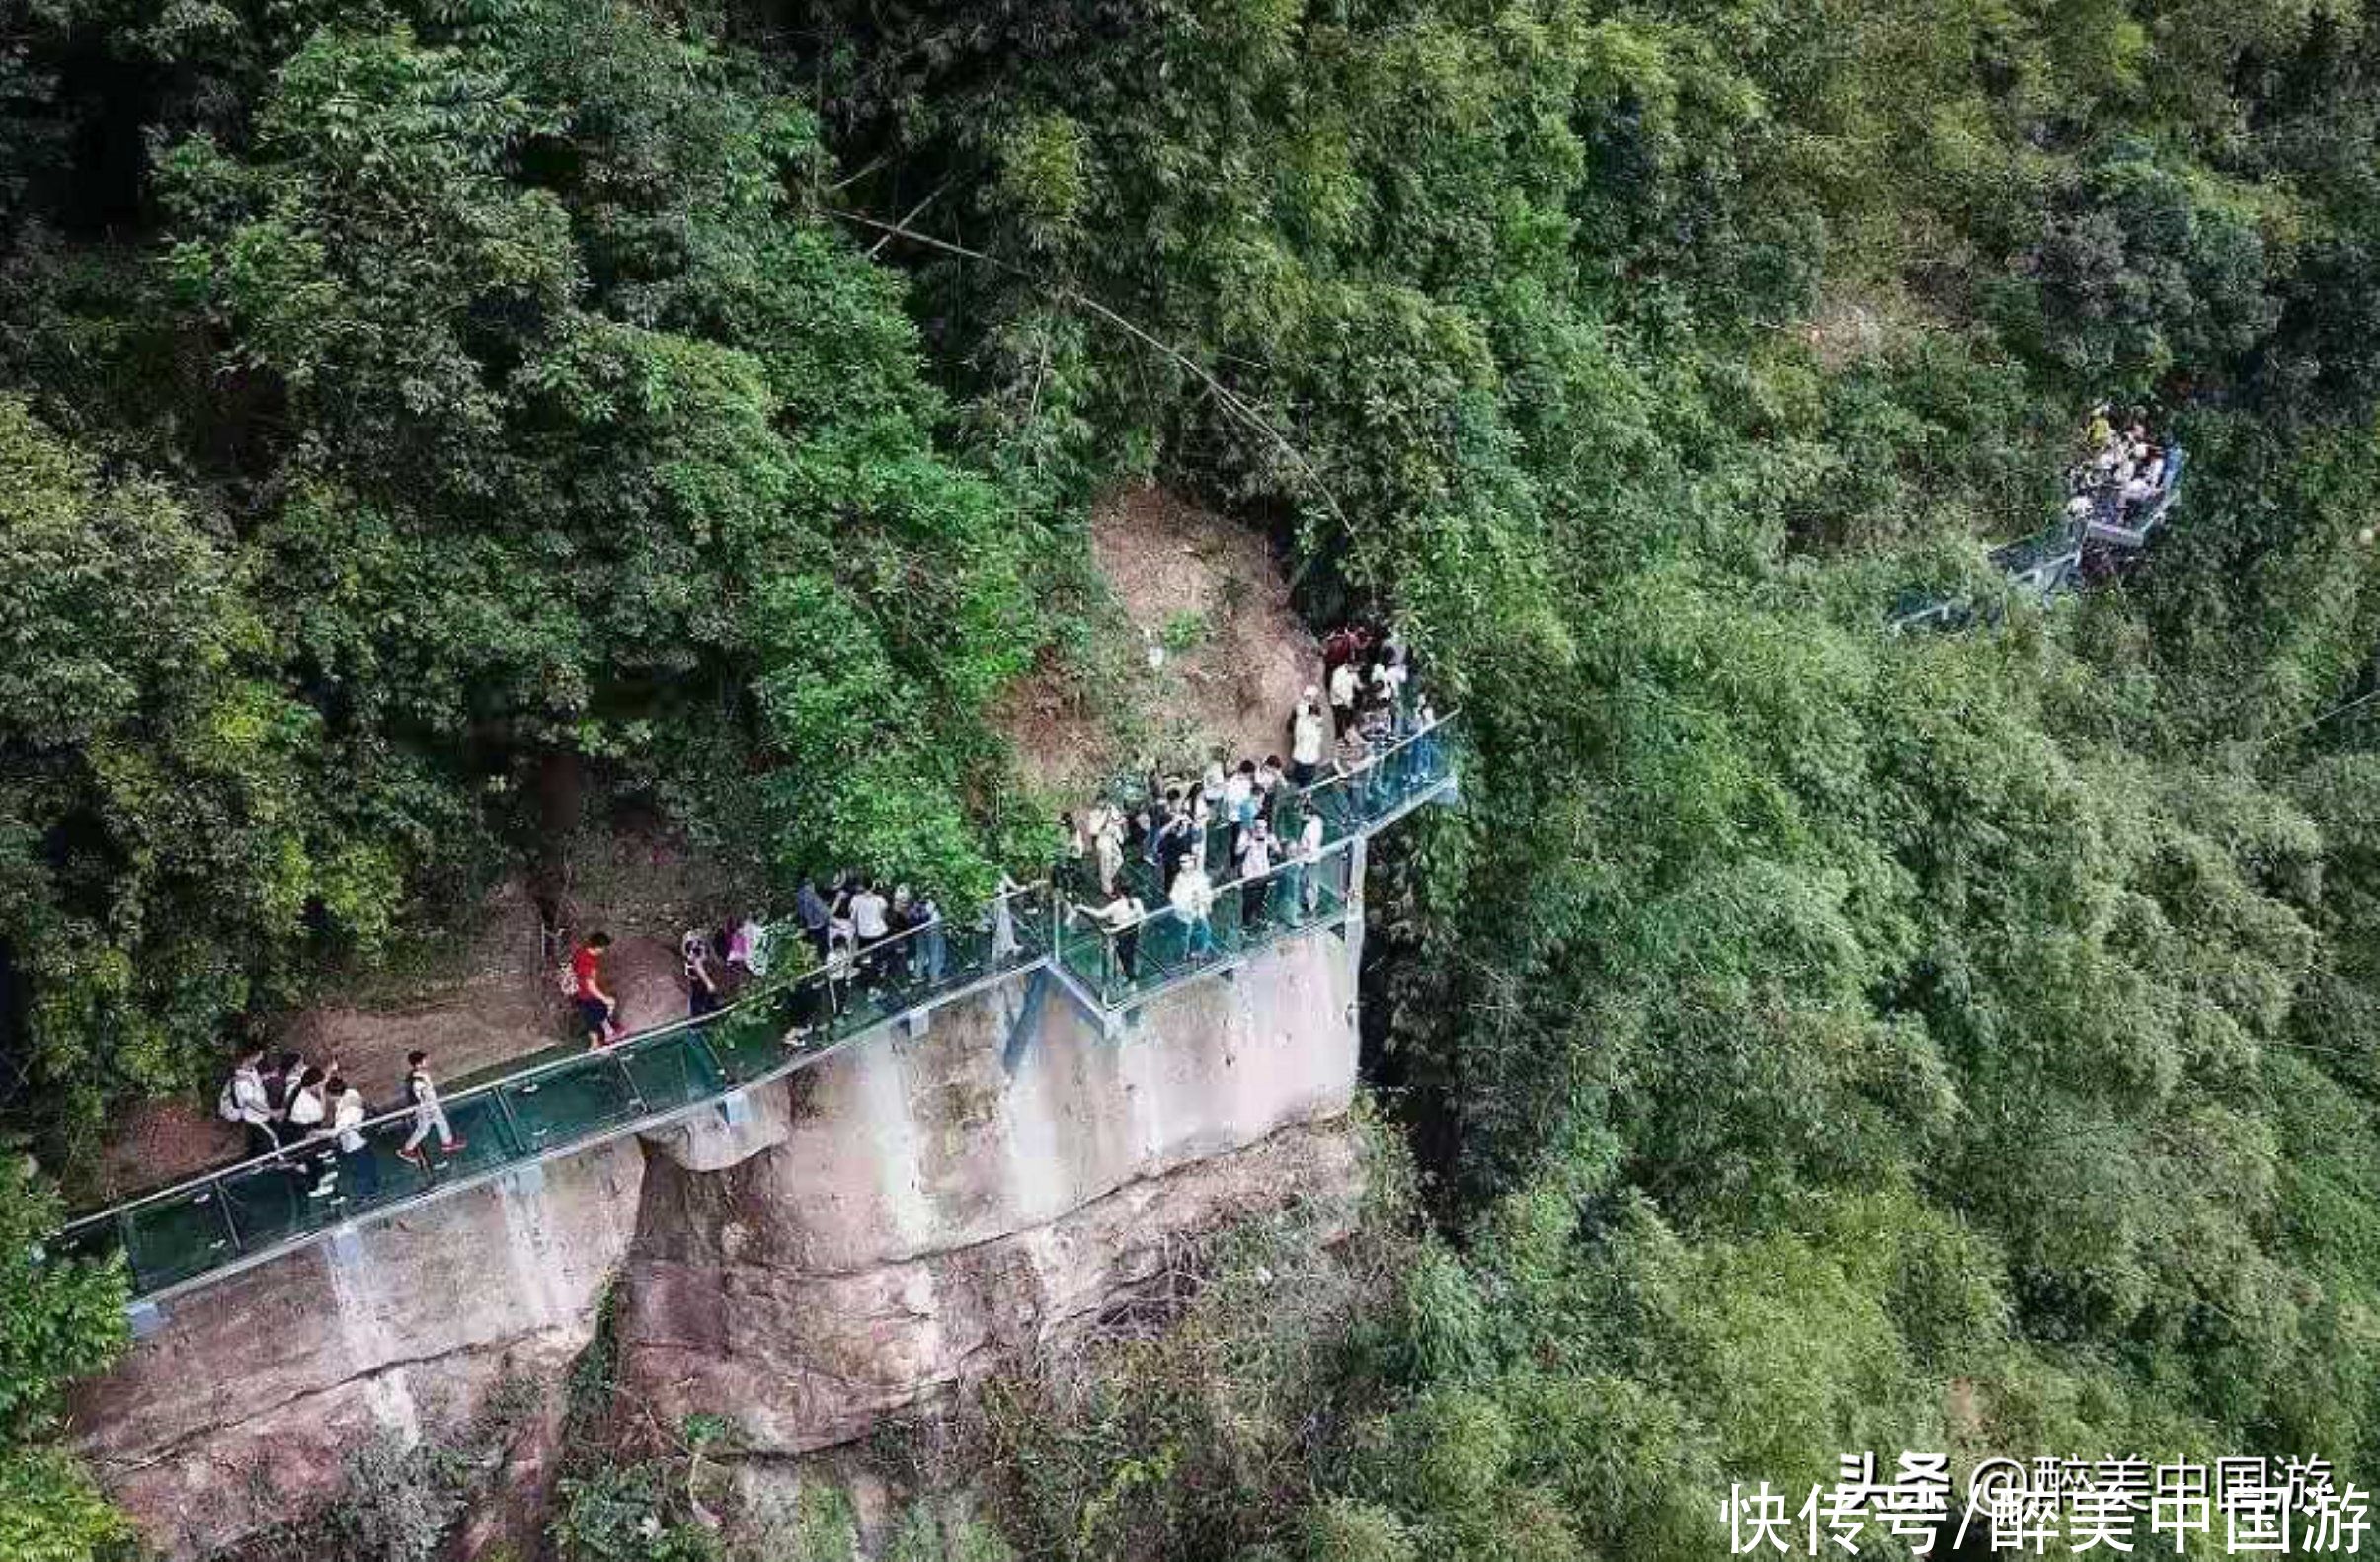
(548, 1105)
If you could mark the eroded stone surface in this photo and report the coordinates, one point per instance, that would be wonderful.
(808, 1358)
(883, 1225)
(241, 1409)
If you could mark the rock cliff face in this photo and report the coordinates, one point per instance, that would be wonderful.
(876, 1228)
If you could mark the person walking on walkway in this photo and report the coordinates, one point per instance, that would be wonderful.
(1307, 736)
(702, 974)
(841, 967)
(1193, 898)
(1346, 687)
(1004, 943)
(1426, 753)
(244, 1101)
(1108, 844)
(809, 909)
(279, 1074)
(933, 943)
(422, 1095)
(870, 927)
(1256, 868)
(1177, 837)
(1355, 763)
(309, 1115)
(1238, 793)
(357, 1167)
(598, 1011)
(1121, 917)
(1306, 856)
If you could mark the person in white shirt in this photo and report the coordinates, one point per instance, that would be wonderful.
(1426, 751)
(244, 1101)
(1307, 736)
(357, 1167)
(1308, 858)
(1240, 799)
(869, 927)
(1110, 845)
(1255, 872)
(1355, 763)
(1004, 943)
(868, 909)
(306, 1113)
(1194, 904)
(1077, 849)
(428, 1115)
(841, 964)
(1121, 917)
(1345, 685)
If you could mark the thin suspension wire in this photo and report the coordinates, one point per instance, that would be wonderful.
(1230, 400)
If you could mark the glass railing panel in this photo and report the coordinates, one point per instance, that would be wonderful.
(377, 1175)
(93, 1242)
(484, 1135)
(673, 1070)
(275, 1199)
(570, 1102)
(1083, 947)
(172, 1239)
(749, 1040)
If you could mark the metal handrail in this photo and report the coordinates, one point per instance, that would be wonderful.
(1165, 912)
(1216, 824)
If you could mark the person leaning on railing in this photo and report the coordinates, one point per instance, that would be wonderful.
(1121, 917)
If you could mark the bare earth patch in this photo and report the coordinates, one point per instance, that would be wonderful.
(1206, 599)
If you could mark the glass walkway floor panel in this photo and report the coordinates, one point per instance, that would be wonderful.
(565, 1097)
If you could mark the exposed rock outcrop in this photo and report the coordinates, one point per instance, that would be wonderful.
(242, 1409)
(808, 1360)
(870, 1232)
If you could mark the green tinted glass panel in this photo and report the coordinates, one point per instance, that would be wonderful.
(483, 1135)
(570, 1102)
(175, 1238)
(94, 1243)
(675, 1071)
(269, 1202)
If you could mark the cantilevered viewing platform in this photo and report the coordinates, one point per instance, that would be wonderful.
(2050, 564)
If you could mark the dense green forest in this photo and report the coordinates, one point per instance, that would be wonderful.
(1832, 1041)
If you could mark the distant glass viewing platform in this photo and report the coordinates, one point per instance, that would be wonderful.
(177, 1238)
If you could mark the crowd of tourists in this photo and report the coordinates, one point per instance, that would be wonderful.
(1193, 835)
(866, 937)
(313, 1118)
(2122, 474)
(1234, 820)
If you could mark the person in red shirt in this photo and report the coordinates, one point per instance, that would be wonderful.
(597, 1010)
